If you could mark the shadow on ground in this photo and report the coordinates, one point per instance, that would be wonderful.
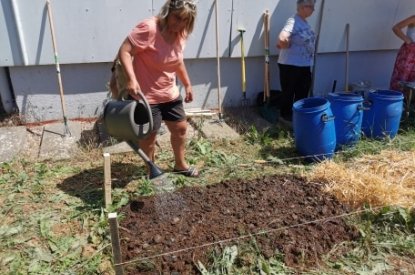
(88, 185)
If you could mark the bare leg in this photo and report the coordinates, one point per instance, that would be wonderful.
(178, 142)
(148, 145)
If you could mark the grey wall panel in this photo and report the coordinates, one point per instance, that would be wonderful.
(233, 15)
(91, 31)
(37, 92)
(85, 87)
(86, 30)
(370, 23)
(373, 66)
(10, 47)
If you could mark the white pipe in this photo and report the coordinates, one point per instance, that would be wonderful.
(16, 14)
(218, 59)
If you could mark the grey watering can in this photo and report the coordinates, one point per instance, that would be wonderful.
(130, 121)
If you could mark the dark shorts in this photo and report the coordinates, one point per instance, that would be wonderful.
(169, 111)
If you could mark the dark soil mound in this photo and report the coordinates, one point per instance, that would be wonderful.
(192, 217)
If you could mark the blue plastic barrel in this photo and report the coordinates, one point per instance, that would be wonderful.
(313, 126)
(347, 109)
(382, 115)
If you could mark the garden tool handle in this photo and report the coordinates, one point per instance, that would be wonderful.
(243, 72)
(266, 51)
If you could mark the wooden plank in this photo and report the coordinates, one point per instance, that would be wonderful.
(115, 241)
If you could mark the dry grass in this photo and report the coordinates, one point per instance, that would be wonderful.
(377, 180)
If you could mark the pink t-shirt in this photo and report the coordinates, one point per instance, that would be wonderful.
(156, 62)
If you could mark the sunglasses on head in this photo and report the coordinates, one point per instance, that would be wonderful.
(179, 4)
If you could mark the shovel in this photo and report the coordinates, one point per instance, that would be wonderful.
(245, 101)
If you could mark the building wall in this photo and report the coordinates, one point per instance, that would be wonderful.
(89, 32)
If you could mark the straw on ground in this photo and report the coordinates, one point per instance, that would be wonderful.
(384, 179)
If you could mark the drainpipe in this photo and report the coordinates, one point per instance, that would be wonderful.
(8, 101)
(19, 30)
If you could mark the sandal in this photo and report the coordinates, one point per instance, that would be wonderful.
(189, 172)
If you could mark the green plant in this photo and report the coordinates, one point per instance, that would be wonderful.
(145, 187)
(252, 136)
(203, 151)
(385, 233)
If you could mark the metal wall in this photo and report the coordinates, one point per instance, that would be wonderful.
(89, 33)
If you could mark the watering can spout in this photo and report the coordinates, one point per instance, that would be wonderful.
(154, 170)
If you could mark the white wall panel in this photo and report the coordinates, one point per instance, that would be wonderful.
(89, 33)
(370, 23)
(86, 30)
(92, 30)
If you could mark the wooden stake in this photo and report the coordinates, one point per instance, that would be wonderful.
(107, 180)
(115, 241)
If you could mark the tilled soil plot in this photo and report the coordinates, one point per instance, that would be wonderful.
(284, 207)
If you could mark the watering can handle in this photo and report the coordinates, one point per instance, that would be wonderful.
(148, 109)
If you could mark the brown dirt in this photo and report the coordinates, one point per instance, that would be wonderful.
(196, 216)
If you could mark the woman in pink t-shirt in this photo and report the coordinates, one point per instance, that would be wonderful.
(152, 56)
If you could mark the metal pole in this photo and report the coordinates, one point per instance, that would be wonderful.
(346, 84)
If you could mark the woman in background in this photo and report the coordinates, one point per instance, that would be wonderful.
(296, 43)
(404, 69)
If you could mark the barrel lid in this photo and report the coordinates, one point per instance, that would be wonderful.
(311, 104)
(386, 94)
(345, 96)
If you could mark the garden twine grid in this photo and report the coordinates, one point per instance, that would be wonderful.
(322, 174)
(246, 236)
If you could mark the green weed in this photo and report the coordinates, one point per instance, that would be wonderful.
(52, 219)
(386, 233)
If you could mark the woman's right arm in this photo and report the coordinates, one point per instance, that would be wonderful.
(283, 40)
(397, 29)
(126, 54)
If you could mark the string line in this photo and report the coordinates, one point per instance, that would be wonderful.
(264, 232)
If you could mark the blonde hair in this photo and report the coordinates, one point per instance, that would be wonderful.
(185, 8)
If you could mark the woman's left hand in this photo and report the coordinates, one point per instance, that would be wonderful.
(189, 95)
